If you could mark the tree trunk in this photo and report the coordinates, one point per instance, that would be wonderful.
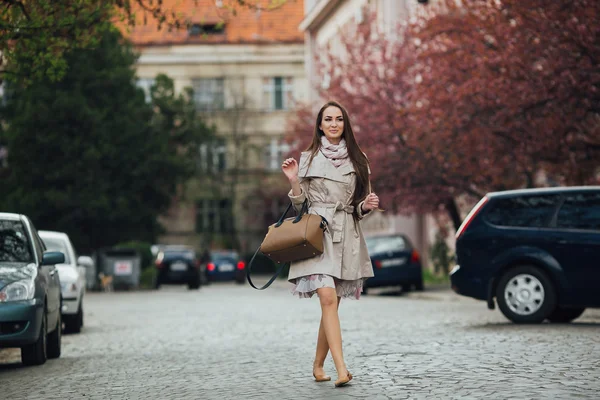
(453, 212)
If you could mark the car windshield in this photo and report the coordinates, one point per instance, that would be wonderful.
(385, 244)
(56, 244)
(14, 242)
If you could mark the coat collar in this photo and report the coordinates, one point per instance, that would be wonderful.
(321, 167)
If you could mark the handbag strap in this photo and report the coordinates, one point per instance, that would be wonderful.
(303, 210)
(249, 270)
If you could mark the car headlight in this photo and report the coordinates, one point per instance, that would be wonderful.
(16, 291)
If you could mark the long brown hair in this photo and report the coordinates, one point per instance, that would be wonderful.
(356, 155)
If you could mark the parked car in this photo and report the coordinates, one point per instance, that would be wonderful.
(395, 263)
(178, 265)
(30, 298)
(226, 265)
(72, 279)
(535, 251)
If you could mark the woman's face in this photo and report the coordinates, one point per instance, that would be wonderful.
(332, 124)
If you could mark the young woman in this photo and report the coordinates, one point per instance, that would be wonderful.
(333, 174)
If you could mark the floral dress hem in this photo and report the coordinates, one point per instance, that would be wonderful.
(306, 286)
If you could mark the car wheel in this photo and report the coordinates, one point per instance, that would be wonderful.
(35, 353)
(73, 323)
(365, 289)
(55, 339)
(525, 294)
(194, 285)
(405, 288)
(419, 285)
(564, 315)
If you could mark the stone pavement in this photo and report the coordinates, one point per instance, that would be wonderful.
(231, 342)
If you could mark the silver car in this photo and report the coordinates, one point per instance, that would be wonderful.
(72, 279)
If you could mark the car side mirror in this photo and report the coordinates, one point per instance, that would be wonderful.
(85, 261)
(53, 257)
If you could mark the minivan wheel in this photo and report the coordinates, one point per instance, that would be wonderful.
(525, 294)
(564, 315)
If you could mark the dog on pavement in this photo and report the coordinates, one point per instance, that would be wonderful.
(106, 282)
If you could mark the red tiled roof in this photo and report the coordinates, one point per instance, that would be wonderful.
(246, 25)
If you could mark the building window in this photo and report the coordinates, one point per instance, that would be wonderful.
(146, 85)
(214, 216)
(206, 29)
(209, 93)
(277, 93)
(276, 151)
(212, 157)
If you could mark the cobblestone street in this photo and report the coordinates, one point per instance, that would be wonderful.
(231, 342)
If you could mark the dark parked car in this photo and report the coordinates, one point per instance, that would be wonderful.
(178, 265)
(30, 299)
(536, 251)
(395, 263)
(226, 265)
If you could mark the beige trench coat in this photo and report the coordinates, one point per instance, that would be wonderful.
(329, 191)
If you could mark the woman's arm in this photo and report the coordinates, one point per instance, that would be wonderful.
(296, 189)
(298, 193)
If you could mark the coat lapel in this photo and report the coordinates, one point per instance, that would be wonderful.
(321, 167)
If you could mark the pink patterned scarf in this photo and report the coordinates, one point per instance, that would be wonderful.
(336, 153)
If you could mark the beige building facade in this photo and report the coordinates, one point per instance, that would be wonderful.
(247, 72)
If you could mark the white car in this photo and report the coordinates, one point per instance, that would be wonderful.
(72, 279)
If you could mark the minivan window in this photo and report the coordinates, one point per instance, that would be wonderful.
(523, 211)
(580, 211)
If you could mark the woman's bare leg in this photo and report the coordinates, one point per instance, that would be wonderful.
(322, 348)
(331, 326)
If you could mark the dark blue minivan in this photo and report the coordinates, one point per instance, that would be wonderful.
(536, 251)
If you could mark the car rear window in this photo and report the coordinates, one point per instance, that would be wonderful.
(580, 211)
(217, 256)
(533, 211)
(170, 254)
(385, 244)
(14, 243)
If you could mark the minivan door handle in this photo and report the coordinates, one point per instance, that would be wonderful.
(563, 241)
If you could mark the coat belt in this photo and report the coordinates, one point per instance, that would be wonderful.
(339, 206)
(339, 220)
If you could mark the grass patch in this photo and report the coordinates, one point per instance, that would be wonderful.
(147, 278)
(433, 279)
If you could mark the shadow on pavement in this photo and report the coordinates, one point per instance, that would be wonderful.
(511, 325)
(10, 366)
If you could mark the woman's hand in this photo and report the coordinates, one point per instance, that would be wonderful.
(290, 169)
(371, 202)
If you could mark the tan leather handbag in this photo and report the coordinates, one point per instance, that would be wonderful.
(291, 239)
